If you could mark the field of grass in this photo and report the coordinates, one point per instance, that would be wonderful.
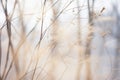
(59, 40)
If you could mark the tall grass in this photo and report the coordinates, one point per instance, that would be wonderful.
(42, 46)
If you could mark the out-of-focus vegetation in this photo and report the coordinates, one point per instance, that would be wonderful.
(59, 40)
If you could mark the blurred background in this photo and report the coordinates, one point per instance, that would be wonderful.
(59, 40)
